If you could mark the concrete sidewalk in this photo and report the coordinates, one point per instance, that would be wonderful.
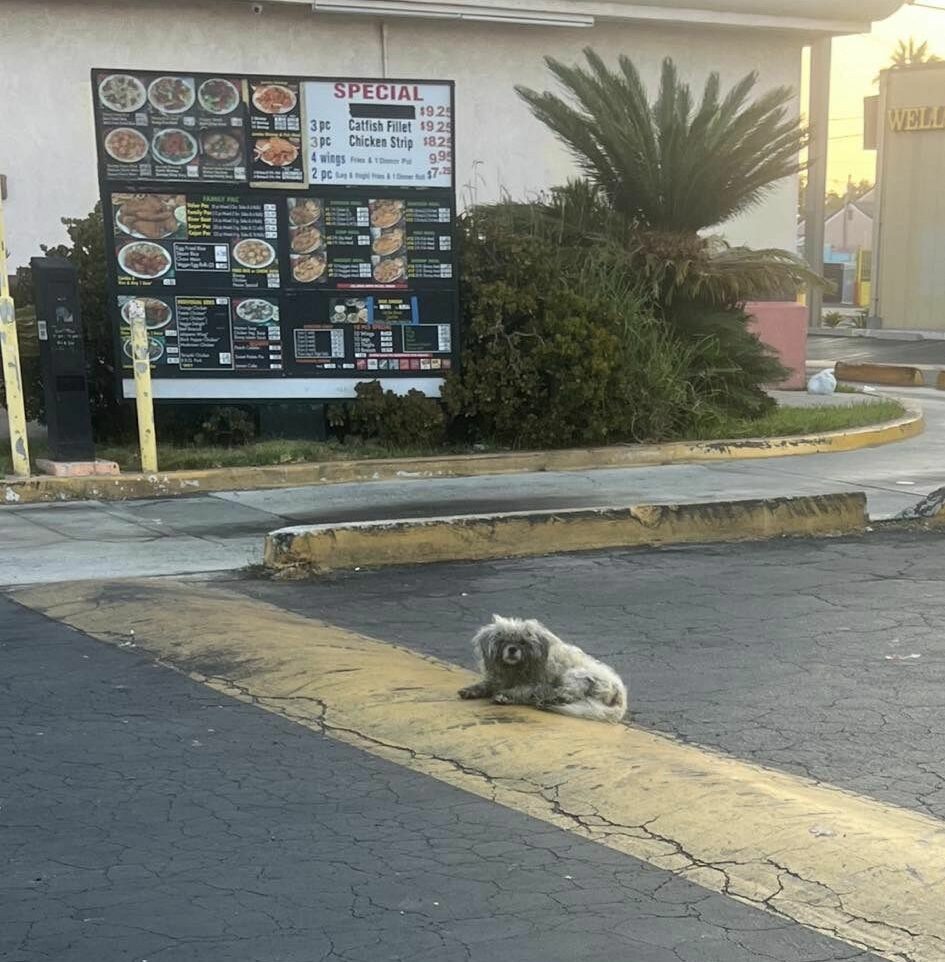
(224, 531)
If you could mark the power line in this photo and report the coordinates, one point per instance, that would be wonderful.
(925, 6)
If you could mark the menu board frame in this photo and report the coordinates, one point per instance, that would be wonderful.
(188, 369)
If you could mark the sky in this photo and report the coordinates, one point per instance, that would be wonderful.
(856, 62)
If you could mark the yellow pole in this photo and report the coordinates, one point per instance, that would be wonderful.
(10, 358)
(147, 438)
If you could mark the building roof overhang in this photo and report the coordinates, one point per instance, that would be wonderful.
(807, 16)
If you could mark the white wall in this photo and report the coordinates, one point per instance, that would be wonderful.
(47, 148)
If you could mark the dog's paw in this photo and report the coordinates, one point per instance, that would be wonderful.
(500, 698)
(468, 693)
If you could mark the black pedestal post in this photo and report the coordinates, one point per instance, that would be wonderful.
(62, 359)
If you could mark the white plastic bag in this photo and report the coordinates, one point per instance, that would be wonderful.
(824, 382)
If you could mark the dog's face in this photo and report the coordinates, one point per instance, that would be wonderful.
(511, 643)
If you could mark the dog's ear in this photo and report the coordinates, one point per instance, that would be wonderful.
(482, 640)
(539, 635)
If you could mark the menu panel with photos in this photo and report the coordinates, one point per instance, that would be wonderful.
(171, 127)
(197, 242)
(370, 332)
(363, 242)
(348, 268)
(207, 333)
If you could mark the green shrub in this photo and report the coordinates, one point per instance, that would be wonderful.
(730, 364)
(410, 420)
(227, 427)
(558, 350)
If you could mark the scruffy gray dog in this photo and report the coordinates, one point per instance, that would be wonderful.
(523, 663)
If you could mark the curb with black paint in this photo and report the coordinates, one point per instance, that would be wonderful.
(323, 548)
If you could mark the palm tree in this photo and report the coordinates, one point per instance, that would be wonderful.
(907, 54)
(659, 175)
(910, 55)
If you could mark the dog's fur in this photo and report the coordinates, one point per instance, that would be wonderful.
(523, 663)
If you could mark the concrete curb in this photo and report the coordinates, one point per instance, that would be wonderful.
(891, 375)
(330, 547)
(894, 375)
(876, 334)
(171, 484)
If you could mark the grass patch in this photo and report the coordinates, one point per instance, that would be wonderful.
(172, 457)
(785, 421)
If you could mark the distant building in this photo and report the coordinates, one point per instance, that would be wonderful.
(908, 123)
(847, 230)
(848, 243)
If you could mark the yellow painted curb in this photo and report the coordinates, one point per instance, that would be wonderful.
(170, 484)
(896, 375)
(851, 867)
(940, 381)
(328, 547)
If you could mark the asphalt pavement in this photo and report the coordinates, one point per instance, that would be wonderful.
(875, 350)
(822, 658)
(225, 531)
(146, 817)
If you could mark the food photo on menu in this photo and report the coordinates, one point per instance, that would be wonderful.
(144, 226)
(277, 159)
(218, 96)
(144, 261)
(257, 336)
(159, 320)
(156, 350)
(150, 216)
(276, 100)
(171, 127)
(389, 255)
(254, 253)
(307, 257)
(158, 317)
(276, 124)
(257, 310)
(350, 310)
(158, 312)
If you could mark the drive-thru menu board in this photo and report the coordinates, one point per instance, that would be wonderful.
(286, 234)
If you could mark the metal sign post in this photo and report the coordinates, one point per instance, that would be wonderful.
(12, 377)
(147, 439)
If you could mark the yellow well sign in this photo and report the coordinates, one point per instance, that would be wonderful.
(915, 119)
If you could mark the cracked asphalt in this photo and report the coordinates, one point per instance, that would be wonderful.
(819, 658)
(144, 816)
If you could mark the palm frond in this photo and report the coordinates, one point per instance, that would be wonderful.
(671, 164)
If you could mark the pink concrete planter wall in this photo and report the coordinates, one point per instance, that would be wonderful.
(782, 325)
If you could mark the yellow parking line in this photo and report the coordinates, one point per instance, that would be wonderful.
(851, 867)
